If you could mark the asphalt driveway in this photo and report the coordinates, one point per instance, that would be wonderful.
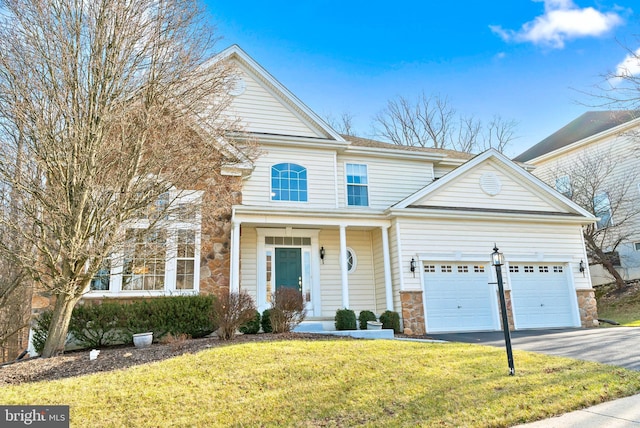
(618, 346)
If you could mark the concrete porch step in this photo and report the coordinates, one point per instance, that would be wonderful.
(324, 326)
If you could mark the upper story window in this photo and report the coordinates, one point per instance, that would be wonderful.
(563, 185)
(357, 185)
(288, 182)
(602, 209)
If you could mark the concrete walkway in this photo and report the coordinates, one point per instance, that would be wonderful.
(621, 413)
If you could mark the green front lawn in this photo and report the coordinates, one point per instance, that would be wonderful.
(333, 383)
(622, 306)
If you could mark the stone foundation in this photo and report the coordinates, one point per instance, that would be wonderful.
(588, 308)
(412, 312)
(507, 299)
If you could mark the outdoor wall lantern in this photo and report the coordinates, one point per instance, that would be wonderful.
(497, 259)
(412, 266)
(582, 268)
(322, 254)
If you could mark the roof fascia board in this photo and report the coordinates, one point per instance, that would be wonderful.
(273, 82)
(289, 140)
(394, 153)
(586, 141)
(489, 216)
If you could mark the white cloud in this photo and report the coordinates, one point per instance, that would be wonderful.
(562, 20)
(629, 67)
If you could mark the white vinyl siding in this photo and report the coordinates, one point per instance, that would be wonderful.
(261, 111)
(248, 267)
(320, 181)
(389, 180)
(466, 191)
(459, 240)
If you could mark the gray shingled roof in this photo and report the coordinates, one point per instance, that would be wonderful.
(590, 123)
(366, 142)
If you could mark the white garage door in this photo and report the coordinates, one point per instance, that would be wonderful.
(541, 296)
(458, 297)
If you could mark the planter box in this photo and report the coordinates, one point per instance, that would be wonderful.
(374, 325)
(143, 340)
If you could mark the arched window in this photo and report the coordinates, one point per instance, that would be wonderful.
(288, 182)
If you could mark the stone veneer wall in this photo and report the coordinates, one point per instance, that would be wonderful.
(507, 299)
(588, 308)
(412, 312)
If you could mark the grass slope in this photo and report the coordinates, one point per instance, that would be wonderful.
(622, 306)
(333, 383)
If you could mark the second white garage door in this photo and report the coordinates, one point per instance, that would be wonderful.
(458, 297)
(541, 296)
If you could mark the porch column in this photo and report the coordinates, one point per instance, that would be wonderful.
(234, 280)
(343, 266)
(387, 268)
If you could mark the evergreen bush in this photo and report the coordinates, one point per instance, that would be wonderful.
(345, 319)
(252, 326)
(390, 320)
(364, 317)
(266, 321)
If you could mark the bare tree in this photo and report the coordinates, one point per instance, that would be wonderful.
(591, 182)
(344, 124)
(499, 133)
(431, 121)
(425, 123)
(110, 105)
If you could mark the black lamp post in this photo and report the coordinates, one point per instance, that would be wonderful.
(497, 259)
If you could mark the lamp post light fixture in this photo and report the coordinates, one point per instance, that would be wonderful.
(412, 266)
(322, 253)
(497, 259)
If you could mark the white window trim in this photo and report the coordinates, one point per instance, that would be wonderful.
(354, 264)
(346, 185)
(611, 222)
(282, 201)
(171, 227)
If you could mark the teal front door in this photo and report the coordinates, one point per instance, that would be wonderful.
(288, 268)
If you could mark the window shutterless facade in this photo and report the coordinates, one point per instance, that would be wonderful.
(357, 185)
(163, 260)
(289, 182)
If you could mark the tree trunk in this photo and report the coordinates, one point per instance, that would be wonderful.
(57, 336)
(620, 283)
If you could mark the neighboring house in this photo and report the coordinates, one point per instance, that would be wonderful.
(602, 145)
(360, 224)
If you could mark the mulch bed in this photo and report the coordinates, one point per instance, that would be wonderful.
(115, 358)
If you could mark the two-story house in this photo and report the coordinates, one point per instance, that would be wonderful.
(596, 158)
(360, 224)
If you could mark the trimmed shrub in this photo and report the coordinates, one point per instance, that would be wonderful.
(110, 323)
(93, 326)
(266, 321)
(345, 319)
(288, 310)
(390, 320)
(252, 326)
(231, 311)
(364, 317)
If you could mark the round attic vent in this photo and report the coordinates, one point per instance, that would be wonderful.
(490, 183)
(238, 88)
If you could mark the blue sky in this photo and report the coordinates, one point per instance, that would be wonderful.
(528, 61)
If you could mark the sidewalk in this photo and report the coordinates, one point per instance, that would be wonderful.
(621, 413)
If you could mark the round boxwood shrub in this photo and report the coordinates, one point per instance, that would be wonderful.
(364, 317)
(390, 320)
(345, 319)
(253, 326)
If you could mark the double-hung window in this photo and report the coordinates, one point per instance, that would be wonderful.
(602, 209)
(288, 182)
(357, 185)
